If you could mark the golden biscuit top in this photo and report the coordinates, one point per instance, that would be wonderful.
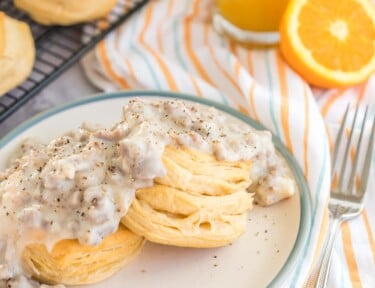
(2, 33)
(8, 28)
(17, 52)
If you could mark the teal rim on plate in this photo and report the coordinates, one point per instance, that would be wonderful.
(305, 201)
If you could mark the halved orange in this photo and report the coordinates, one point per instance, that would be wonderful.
(330, 43)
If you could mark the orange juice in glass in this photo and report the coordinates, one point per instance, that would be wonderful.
(250, 21)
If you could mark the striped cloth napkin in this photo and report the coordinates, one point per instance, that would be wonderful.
(171, 45)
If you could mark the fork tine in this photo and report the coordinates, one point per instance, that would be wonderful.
(338, 139)
(367, 165)
(346, 155)
(354, 168)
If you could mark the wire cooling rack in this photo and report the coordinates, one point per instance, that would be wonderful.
(57, 48)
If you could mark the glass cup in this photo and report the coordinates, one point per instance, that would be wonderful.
(250, 21)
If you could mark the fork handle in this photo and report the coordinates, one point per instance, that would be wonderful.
(333, 228)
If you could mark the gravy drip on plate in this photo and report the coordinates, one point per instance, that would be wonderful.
(79, 186)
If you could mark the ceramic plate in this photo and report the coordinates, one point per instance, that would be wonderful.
(263, 256)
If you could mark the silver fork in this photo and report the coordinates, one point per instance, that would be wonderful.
(344, 203)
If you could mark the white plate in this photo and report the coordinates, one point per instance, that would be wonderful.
(262, 257)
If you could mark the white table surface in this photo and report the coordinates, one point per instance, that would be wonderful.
(72, 84)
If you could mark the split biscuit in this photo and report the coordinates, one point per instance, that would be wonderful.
(201, 202)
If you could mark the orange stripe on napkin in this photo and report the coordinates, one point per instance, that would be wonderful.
(284, 101)
(232, 46)
(233, 49)
(205, 35)
(237, 65)
(352, 153)
(361, 93)
(131, 68)
(221, 68)
(332, 99)
(319, 245)
(118, 34)
(196, 86)
(225, 73)
(357, 182)
(322, 232)
(237, 68)
(370, 235)
(250, 63)
(251, 100)
(329, 136)
(161, 63)
(160, 26)
(349, 255)
(347, 131)
(243, 109)
(307, 131)
(252, 86)
(102, 53)
(188, 44)
(335, 181)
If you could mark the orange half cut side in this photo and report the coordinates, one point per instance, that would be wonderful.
(330, 43)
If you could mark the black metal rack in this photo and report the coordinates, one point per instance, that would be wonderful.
(57, 48)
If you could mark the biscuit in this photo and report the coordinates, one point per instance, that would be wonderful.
(201, 202)
(65, 12)
(71, 263)
(17, 52)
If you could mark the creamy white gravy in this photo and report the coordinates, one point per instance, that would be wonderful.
(79, 186)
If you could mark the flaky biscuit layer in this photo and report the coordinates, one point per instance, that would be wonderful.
(201, 202)
(71, 263)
